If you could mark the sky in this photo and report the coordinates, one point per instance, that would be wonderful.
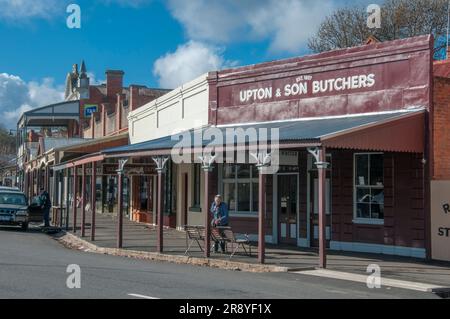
(156, 43)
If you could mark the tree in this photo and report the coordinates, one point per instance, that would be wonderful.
(347, 27)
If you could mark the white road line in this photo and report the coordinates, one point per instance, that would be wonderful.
(142, 296)
(363, 279)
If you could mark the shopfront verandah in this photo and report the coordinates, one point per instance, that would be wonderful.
(365, 132)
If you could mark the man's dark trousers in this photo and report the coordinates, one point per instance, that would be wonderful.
(222, 242)
(46, 216)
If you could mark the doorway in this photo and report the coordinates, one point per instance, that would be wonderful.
(287, 208)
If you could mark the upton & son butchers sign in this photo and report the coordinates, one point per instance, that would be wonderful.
(307, 86)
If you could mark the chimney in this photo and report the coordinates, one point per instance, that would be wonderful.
(134, 97)
(114, 83)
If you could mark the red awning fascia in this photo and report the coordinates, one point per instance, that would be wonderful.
(405, 133)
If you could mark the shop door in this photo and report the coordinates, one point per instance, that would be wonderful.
(314, 203)
(287, 209)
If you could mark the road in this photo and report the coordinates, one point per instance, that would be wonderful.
(33, 265)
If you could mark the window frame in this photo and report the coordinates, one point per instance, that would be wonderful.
(365, 220)
(253, 212)
(196, 187)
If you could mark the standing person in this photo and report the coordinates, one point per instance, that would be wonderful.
(45, 206)
(79, 200)
(219, 210)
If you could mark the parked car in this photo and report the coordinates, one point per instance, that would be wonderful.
(14, 210)
(16, 189)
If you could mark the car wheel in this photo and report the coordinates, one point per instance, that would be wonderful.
(24, 226)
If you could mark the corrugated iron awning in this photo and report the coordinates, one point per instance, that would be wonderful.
(401, 131)
(79, 161)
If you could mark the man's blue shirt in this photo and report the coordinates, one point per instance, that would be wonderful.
(221, 214)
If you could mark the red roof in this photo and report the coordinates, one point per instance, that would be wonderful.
(442, 68)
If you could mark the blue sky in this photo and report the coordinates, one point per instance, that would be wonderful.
(157, 43)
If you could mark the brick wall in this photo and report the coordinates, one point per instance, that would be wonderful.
(441, 129)
(95, 97)
(114, 83)
(114, 107)
(137, 99)
(404, 218)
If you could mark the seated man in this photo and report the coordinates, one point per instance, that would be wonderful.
(219, 210)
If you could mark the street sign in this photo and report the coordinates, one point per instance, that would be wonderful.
(89, 109)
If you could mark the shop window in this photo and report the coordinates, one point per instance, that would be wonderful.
(126, 196)
(110, 200)
(369, 187)
(196, 186)
(150, 192)
(240, 188)
(144, 192)
(170, 199)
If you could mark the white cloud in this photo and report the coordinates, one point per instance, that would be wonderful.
(13, 10)
(44, 93)
(215, 21)
(286, 24)
(189, 61)
(19, 10)
(93, 79)
(289, 23)
(17, 96)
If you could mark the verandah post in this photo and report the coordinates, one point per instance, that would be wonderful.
(160, 162)
(319, 154)
(322, 207)
(263, 160)
(93, 198)
(207, 162)
(261, 217)
(207, 213)
(83, 200)
(74, 198)
(120, 172)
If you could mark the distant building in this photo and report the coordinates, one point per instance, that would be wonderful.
(92, 114)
